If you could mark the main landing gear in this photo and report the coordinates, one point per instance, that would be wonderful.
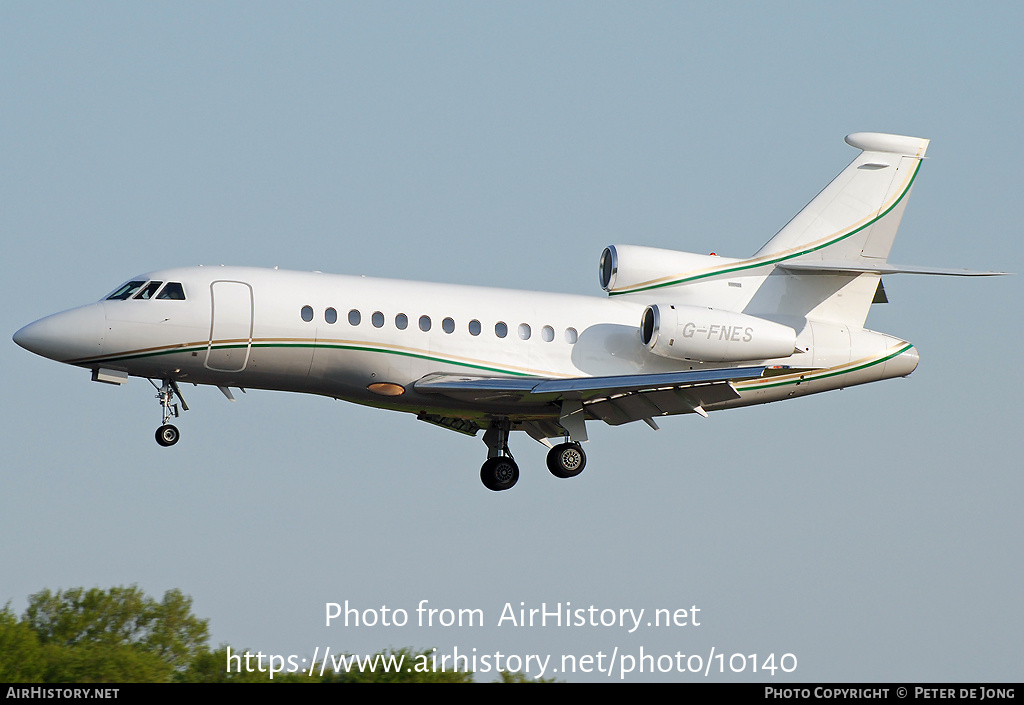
(500, 472)
(567, 460)
(167, 434)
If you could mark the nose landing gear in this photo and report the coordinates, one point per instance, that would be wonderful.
(167, 434)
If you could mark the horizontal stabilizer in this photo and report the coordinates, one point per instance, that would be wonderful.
(869, 267)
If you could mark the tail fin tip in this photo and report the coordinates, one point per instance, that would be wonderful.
(892, 144)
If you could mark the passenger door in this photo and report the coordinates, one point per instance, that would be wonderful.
(230, 326)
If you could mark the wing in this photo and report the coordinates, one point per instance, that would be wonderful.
(616, 399)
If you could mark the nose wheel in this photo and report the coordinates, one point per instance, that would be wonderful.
(167, 435)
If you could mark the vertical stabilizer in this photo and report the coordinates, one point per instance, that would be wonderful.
(856, 216)
(851, 223)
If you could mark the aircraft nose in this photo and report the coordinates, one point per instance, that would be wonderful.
(66, 336)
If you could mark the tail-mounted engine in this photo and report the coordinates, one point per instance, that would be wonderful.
(628, 268)
(709, 335)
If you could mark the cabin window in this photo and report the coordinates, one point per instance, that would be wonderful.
(377, 319)
(331, 316)
(474, 327)
(401, 321)
(448, 325)
(570, 335)
(172, 291)
(125, 291)
(148, 291)
(524, 331)
(547, 333)
(424, 323)
(500, 329)
(354, 317)
(307, 313)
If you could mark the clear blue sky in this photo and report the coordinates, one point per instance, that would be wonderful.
(875, 533)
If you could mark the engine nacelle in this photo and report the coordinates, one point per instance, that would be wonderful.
(628, 266)
(708, 335)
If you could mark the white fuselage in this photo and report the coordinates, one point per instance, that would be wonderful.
(248, 327)
(679, 332)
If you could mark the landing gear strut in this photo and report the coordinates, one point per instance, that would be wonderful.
(500, 471)
(168, 435)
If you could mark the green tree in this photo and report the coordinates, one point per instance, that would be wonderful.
(21, 654)
(119, 616)
(517, 677)
(176, 635)
(103, 663)
(119, 634)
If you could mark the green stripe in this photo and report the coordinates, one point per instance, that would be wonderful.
(358, 348)
(740, 268)
(813, 377)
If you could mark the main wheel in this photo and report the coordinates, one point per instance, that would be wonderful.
(167, 435)
(499, 474)
(566, 460)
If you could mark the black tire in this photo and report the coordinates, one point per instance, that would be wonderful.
(499, 474)
(566, 460)
(167, 435)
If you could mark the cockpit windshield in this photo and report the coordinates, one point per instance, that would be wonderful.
(148, 291)
(174, 291)
(143, 290)
(125, 291)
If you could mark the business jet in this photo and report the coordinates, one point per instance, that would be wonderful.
(677, 333)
